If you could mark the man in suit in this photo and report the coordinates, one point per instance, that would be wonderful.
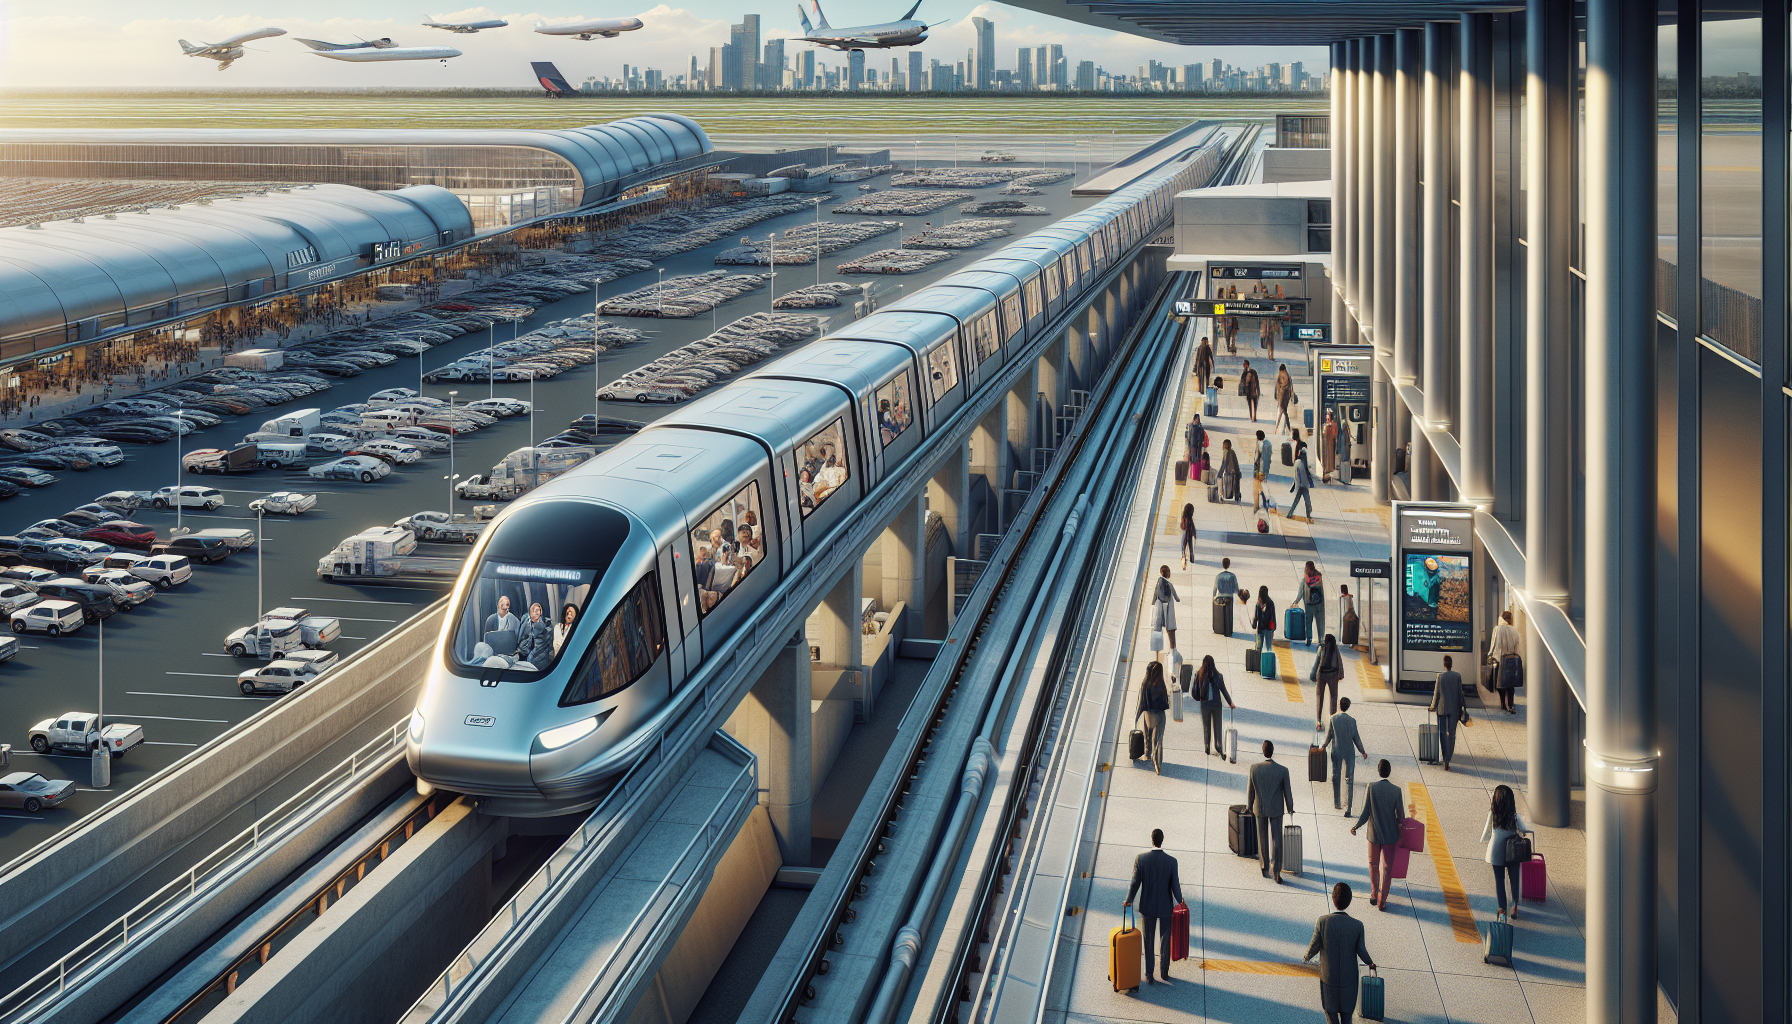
(1159, 890)
(1383, 813)
(502, 619)
(1340, 735)
(1446, 700)
(535, 638)
(1338, 940)
(1268, 796)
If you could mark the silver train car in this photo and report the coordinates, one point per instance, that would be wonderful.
(590, 602)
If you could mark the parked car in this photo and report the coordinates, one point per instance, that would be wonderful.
(200, 549)
(14, 596)
(316, 661)
(30, 792)
(87, 519)
(80, 730)
(122, 534)
(433, 526)
(124, 501)
(268, 639)
(49, 617)
(126, 587)
(189, 496)
(286, 503)
(136, 434)
(237, 537)
(25, 476)
(80, 552)
(398, 453)
(96, 600)
(58, 527)
(432, 441)
(283, 676)
(30, 575)
(355, 467)
(92, 454)
(164, 570)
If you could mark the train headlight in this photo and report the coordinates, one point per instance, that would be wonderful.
(416, 726)
(560, 736)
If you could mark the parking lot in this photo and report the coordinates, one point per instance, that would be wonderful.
(165, 666)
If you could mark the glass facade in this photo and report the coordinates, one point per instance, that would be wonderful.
(1730, 211)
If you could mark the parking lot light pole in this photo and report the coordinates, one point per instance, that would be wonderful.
(102, 757)
(260, 601)
(534, 456)
(771, 250)
(452, 433)
(175, 494)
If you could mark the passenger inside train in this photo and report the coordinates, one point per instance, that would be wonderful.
(494, 635)
(728, 543)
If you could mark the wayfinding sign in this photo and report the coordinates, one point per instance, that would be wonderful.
(1436, 565)
(1233, 307)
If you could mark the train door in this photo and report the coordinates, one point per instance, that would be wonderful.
(683, 627)
(671, 597)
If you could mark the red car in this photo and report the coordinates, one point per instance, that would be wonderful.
(122, 534)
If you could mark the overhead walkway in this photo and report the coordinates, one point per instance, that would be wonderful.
(1047, 954)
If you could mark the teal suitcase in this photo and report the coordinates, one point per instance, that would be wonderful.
(1266, 663)
(1496, 944)
(1374, 1003)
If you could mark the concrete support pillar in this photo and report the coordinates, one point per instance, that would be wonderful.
(1365, 188)
(949, 494)
(1620, 166)
(903, 557)
(1018, 410)
(837, 620)
(1409, 46)
(1051, 373)
(1340, 253)
(1381, 459)
(1110, 320)
(1099, 337)
(1474, 336)
(1440, 37)
(1549, 166)
(1419, 475)
(1077, 363)
(985, 457)
(1344, 136)
(773, 722)
(1382, 160)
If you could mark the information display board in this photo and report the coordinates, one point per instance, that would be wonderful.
(1342, 382)
(1435, 613)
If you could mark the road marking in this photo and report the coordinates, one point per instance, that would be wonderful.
(27, 817)
(207, 675)
(1285, 668)
(1462, 916)
(165, 743)
(215, 654)
(351, 638)
(352, 600)
(1261, 967)
(165, 718)
(201, 696)
(344, 618)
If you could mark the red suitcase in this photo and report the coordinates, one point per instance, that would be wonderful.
(1179, 932)
(1399, 861)
(1412, 835)
(1533, 878)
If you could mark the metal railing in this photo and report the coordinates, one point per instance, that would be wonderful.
(204, 876)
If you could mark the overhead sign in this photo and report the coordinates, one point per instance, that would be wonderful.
(1342, 364)
(1371, 569)
(380, 252)
(1257, 272)
(1314, 334)
(1232, 307)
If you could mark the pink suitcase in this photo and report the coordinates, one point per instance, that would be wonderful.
(1398, 862)
(1412, 835)
(1533, 879)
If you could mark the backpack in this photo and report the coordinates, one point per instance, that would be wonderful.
(1314, 594)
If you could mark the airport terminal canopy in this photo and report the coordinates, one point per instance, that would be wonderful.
(74, 281)
(505, 176)
(1260, 22)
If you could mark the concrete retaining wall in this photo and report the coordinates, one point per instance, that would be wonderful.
(830, 722)
(60, 880)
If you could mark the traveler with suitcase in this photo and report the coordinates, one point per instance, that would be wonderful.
(1384, 812)
(1164, 600)
(1303, 480)
(1309, 596)
(1507, 846)
(1349, 626)
(1249, 388)
(1229, 472)
(1225, 582)
(1446, 702)
(1340, 735)
(1158, 889)
(1154, 700)
(1327, 670)
(1338, 942)
(1284, 392)
(1259, 471)
(1209, 689)
(1203, 364)
(1269, 795)
(1501, 646)
(1263, 620)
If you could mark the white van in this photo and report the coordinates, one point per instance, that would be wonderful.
(294, 424)
(387, 420)
(280, 454)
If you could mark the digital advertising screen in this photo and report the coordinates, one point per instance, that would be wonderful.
(1435, 595)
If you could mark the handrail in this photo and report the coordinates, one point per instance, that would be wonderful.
(107, 945)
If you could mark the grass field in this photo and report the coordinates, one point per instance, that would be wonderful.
(731, 121)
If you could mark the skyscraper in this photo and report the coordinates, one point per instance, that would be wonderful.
(1023, 68)
(720, 57)
(744, 37)
(805, 69)
(773, 75)
(917, 72)
(855, 75)
(1085, 76)
(985, 32)
(1057, 72)
(1042, 67)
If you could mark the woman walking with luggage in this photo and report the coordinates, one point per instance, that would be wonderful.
(1163, 604)
(1502, 645)
(1263, 620)
(1328, 669)
(1188, 534)
(1502, 828)
(1309, 596)
(1154, 700)
(1229, 472)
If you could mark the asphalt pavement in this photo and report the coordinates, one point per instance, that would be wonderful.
(165, 666)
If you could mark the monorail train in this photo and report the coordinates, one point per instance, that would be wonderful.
(591, 601)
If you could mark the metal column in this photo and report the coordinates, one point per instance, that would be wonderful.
(1622, 752)
(1381, 394)
(1409, 47)
(1340, 251)
(1548, 515)
(1364, 228)
(1474, 364)
(1344, 187)
(1439, 38)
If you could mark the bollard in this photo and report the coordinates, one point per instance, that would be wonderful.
(102, 767)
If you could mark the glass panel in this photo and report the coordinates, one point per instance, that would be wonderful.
(823, 465)
(1667, 156)
(627, 646)
(895, 407)
(728, 546)
(518, 615)
(1730, 178)
(942, 369)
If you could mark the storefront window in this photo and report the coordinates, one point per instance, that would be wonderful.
(1730, 307)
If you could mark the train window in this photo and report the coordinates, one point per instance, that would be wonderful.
(1100, 251)
(630, 641)
(1087, 261)
(895, 407)
(942, 369)
(730, 544)
(1013, 319)
(985, 336)
(1051, 283)
(1030, 292)
(822, 466)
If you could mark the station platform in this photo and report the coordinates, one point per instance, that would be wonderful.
(1248, 934)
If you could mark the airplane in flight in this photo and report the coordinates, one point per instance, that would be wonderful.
(377, 50)
(465, 27)
(230, 49)
(904, 31)
(317, 44)
(609, 28)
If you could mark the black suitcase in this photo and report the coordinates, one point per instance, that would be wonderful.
(1351, 625)
(1287, 453)
(1251, 659)
(1315, 764)
(1187, 676)
(1135, 745)
(1222, 616)
(1241, 830)
(1182, 471)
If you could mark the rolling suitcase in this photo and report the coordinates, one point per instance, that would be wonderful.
(1135, 745)
(1213, 493)
(1291, 849)
(1398, 861)
(1207, 476)
(1213, 402)
(1315, 764)
(1232, 740)
(1496, 944)
(1287, 453)
(1186, 676)
(1252, 660)
(1533, 878)
(1412, 835)
(1428, 748)
(1126, 953)
(1294, 624)
(1222, 615)
(1241, 830)
(1351, 628)
(1374, 1002)
(1267, 663)
(1182, 471)
(1175, 704)
(1179, 932)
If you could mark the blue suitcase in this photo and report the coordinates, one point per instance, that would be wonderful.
(1496, 944)
(1212, 408)
(1374, 1003)
(1266, 662)
(1294, 625)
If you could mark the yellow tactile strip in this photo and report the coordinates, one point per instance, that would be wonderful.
(1285, 668)
(1462, 917)
(1260, 967)
(1368, 675)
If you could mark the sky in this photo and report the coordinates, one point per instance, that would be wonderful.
(111, 43)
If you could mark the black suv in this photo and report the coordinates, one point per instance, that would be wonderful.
(199, 549)
(96, 599)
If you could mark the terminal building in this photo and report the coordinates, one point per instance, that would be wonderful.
(1559, 245)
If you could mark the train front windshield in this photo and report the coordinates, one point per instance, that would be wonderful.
(519, 616)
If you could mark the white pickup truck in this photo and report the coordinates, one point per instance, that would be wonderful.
(440, 526)
(267, 639)
(77, 731)
(314, 630)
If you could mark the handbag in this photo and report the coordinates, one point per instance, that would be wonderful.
(1517, 848)
(1157, 639)
(1490, 678)
(1462, 716)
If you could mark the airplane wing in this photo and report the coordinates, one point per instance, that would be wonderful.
(319, 44)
